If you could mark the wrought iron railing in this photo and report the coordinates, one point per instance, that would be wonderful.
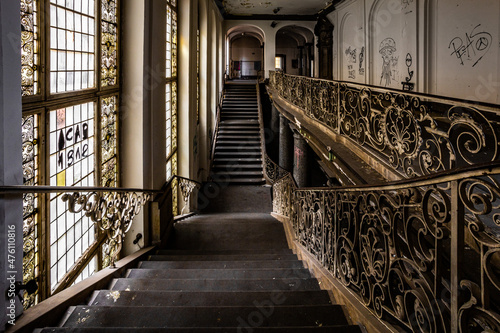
(416, 134)
(112, 211)
(272, 171)
(422, 253)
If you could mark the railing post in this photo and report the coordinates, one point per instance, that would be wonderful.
(457, 250)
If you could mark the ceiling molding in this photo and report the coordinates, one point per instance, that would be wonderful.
(267, 17)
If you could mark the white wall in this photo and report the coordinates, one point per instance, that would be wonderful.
(452, 47)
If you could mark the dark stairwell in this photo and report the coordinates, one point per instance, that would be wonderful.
(229, 270)
(238, 154)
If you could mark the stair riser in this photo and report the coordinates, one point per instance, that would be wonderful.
(264, 314)
(228, 274)
(206, 298)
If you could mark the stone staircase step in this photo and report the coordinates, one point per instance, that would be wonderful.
(299, 329)
(222, 257)
(206, 298)
(227, 274)
(237, 160)
(209, 252)
(235, 166)
(224, 142)
(241, 173)
(237, 154)
(246, 147)
(215, 284)
(220, 264)
(162, 317)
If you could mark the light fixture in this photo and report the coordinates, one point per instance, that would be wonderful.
(276, 10)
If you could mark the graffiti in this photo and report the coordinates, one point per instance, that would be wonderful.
(390, 61)
(473, 47)
(351, 55)
(361, 59)
(406, 3)
(408, 85)
(352, 72)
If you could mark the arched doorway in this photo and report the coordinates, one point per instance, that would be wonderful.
(245, 53)
(295, 50)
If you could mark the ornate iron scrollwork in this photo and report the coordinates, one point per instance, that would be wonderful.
(392, 247)
(112, 212)
(418, 135)
(186, 186)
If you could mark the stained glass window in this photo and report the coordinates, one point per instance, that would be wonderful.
(29, 48)
(81, 146)
(71, 148)
(30, 205)
(171, 89)
(109, 170)
(72, 45)
(109, 40)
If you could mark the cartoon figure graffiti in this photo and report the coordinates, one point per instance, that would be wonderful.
(387, 50)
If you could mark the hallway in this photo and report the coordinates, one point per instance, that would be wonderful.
(221, 272)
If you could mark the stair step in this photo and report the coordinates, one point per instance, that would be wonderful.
(235, 166)
(247, 147)
(208, 252)
(222, 142)
(237, 154)
(226, 274)
(220, 264)
(162, 317)
(243, 180)
(215, 285)
(207, 298)
(298, 329)
(241, 174)
(235, 137)
(237, 160)
(222, 257)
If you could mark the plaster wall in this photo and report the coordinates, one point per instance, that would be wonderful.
(448, 48)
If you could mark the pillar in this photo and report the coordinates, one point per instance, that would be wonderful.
(275, 123)
(301, 60)
(286, 145)
(300, 160)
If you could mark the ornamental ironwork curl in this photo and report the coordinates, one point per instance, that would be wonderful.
(416, 134)
(392, 246)
(112, 212)
(273, 171)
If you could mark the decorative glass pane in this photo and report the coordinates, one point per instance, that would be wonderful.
(174, 116)
(72, 46)
(109, 248)
(71, 142)
(169, 43)
(109, 141)
(29, 48)
(30, 205)
(174, 44)
(109, 42)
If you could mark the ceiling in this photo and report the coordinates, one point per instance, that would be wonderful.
(273, 7)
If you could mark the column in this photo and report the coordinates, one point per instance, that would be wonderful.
(309, 71)
(301, 60)
(286, 145)
(300, 160)
(275, 123)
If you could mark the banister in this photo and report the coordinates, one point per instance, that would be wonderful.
(422, 253)
(413, 134)
(111, 209)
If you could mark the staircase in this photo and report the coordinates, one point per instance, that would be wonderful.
(222, 272)
(238, 155)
